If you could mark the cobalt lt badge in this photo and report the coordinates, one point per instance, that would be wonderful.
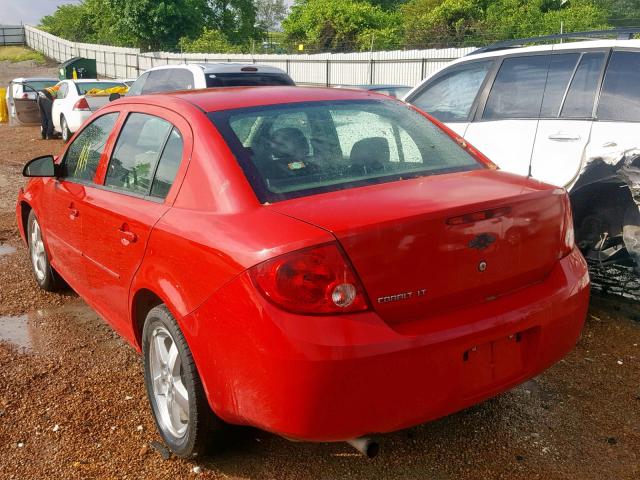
(482, 266)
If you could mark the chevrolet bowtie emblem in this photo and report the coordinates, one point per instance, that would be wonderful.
(482, 241)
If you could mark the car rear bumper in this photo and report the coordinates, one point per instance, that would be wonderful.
(335, 378)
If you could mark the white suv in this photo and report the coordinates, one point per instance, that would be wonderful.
(567, 114)
(206, 75)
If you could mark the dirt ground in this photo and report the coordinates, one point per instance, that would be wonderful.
(72, 400)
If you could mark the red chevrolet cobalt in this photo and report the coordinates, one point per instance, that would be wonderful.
(320, 263)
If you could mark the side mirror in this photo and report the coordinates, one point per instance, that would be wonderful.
(114, 96)
(40, 167)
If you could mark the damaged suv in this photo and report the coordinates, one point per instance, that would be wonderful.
(565, 113)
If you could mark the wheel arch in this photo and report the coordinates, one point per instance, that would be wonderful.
(25, 210)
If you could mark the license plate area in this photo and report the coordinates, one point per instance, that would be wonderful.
(488, 365)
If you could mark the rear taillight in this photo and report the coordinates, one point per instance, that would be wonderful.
(82, 105)
(316, 280)
(568, 237)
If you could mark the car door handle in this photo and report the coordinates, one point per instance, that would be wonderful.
(73, 212)
(126, 235)
(564, 137)
(609, 144)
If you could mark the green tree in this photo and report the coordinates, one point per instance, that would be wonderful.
(341, 25)
(236, 19)
(72, 22)
(210, 41)
(159, 25)
(269, 13)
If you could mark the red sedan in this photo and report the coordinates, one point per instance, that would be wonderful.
(320, 263)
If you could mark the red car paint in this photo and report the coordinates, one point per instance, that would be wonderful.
(438, 334)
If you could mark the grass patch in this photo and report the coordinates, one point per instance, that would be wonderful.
(20, 54)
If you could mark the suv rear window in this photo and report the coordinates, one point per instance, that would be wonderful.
(294, 150)
(246, 79)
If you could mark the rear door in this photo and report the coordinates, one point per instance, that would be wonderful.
(451, 96)
(567, 116)
(617, 125)
(26, 109)
(505, 126)
(123, 210)
(63, 197)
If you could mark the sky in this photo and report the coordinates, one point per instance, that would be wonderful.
(14, 12)
(27, 11)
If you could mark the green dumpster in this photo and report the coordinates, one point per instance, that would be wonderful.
(84, 68)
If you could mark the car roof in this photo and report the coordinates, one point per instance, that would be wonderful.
(229, 98)
(35, 79)
(222, 67)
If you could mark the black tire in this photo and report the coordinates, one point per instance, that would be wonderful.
(66, 133)
(46, 278)
(202, 422)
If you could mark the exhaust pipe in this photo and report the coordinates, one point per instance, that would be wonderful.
(366, 446)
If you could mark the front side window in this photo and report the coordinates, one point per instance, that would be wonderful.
(326, 146)
(450, 97)
(518, 88)
(83, 155)
(620, 97)
(582, 92)
(136, 153)
(62, 91)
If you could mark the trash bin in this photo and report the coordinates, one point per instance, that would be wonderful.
(84, 67)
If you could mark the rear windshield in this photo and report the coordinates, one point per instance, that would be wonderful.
(294, 150)
(85, 87)
(247, 79)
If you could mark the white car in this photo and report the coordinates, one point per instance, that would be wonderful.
(567, 114)
(206, 75)
(70, 108)
(21, 98)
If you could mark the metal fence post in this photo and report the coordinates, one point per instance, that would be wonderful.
(372, 77)
(328, 73)
(423, 68)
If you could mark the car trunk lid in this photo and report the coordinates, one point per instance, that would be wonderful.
(429, 244)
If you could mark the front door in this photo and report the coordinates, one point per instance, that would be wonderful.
(25, 106)
(121, 213)
(64, 197)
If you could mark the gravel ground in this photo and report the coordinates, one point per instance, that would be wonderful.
(72, 401)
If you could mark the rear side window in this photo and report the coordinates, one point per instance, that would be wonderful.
(82, 157)
(39, 85)
(518, 88)
(168, 165)
(136, 153)
(620, 97)
(560, 73)
(450, 97)
(138, 85)
(168, 80)
(247, 79)
(582, 92)
(301, 149)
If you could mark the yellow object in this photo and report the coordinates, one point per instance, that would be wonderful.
(300, 47)
(96, 92)
(4, 111)
(75, 74)
(53, 91)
